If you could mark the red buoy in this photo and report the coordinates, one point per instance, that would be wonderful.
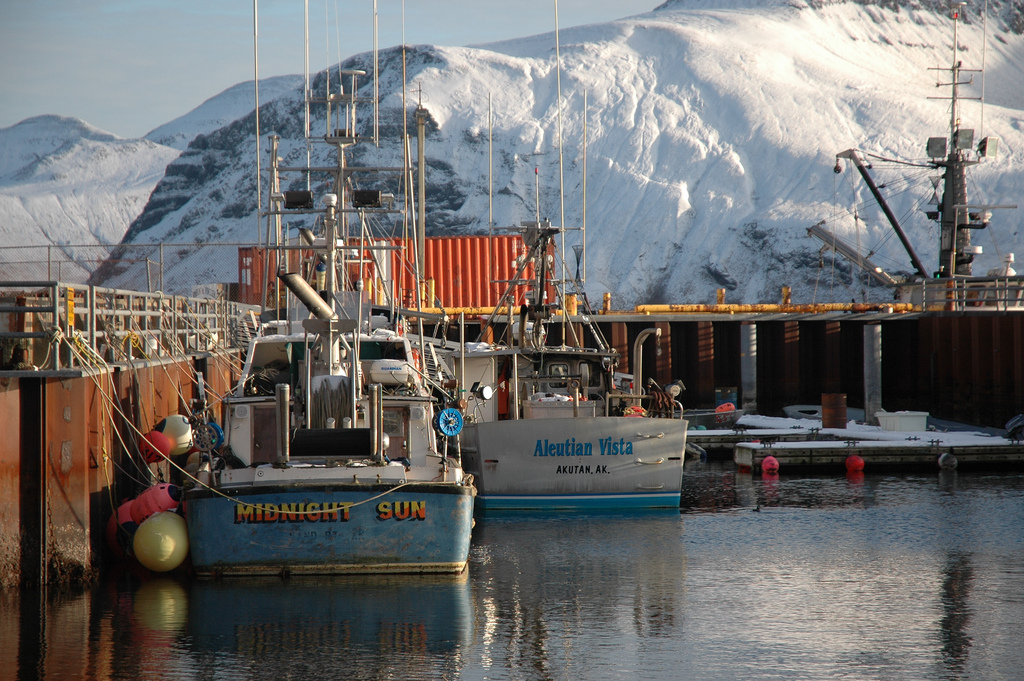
(854, 463)
(770, 464)
(155, 446)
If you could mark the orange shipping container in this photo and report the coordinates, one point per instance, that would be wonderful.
(470, 271)
(462, 271)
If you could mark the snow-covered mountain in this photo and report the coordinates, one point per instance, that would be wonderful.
(221, 110)
(68, 190)
(712, 128)
(64, 183)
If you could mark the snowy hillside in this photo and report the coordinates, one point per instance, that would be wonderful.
(65, 183)
(221, 110)
(68, 190)
(712, 133)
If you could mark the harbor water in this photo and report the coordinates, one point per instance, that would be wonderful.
(868, 577)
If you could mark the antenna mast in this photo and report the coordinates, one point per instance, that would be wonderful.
(955, 251)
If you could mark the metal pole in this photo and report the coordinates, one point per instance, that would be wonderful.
(376, 423)
(421, 190)
(872, 372)
(638, 354)
(748, 367)
(283, 399)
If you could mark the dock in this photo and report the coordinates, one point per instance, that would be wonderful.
(802, 445)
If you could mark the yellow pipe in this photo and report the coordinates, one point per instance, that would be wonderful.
(735, 308)
(774, 308)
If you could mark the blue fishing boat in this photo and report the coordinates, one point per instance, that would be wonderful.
(335, 456)
(330, 526)
(382, 495)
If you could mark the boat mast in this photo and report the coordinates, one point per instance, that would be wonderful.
(955, 251)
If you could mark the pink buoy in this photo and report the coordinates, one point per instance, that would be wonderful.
(161, 497)
(121, 529)
(854, 463)
(155, 446)
(770, 464)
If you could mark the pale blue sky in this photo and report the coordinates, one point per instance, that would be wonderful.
(128, 66)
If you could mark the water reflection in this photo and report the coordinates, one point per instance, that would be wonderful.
(958, 577)
(576, 591)
(916, 576)
(371, 627)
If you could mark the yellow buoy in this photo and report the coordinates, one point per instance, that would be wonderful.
(161, 542)
(161, 605)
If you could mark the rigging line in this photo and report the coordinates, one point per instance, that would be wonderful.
(856, 275)
(107, 402)
(405, 182)
(306, 90)
(561, 172)
(895, 160)
(376, 78)
(327, 56)
(337, 36)
(256, 81)
(177, 385)
(984, 51)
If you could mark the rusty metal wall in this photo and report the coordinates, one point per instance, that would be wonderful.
(69, 459)
(66, 458)
(963, 368)
(10, 481)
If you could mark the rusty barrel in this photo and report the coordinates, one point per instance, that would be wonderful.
(833, 410)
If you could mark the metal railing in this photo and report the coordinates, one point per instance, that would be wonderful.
(169, 267)
(974, 294)
(52, 325)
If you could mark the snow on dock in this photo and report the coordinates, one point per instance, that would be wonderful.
(804, 444)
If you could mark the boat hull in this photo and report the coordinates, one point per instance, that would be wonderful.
(330, 529)
(576, 463)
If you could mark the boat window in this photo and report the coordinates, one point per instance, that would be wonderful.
(557, 370)
(394, 422)
(375, 350)
(394, 425)
(370, 350)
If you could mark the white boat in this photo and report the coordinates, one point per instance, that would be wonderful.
(332, 460)
(546, 425)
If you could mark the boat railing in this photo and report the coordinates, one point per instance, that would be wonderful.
(973, 294)
(52, 325)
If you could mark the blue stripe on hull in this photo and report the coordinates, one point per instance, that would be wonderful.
(541, 502)
(416, 529)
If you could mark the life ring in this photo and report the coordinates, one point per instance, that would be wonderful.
(726, 406)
